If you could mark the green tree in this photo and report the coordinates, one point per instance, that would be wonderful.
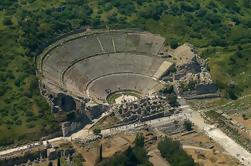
(7, 21)
(172, 100)
(59, 162)
(232, 91)
(100, 153)
(167, 90)
(188, 125)
(139, 140)
(50, 163)
(174, 44)
(173, 152)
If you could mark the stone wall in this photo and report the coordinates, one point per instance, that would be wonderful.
(29, 157)
(206, 88)
(16, 160)
(63, 102)
(172, 128)
(70, 127)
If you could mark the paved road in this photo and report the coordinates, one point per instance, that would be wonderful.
(25, 147)
(217, 135)
(153, 123)
(85, 133)
(229, 145)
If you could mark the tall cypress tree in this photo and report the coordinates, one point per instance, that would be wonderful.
(59, 162)
(50, 164)
(100, 153)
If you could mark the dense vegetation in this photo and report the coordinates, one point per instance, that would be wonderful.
(221, 30)
(131, 157)
(173, 152)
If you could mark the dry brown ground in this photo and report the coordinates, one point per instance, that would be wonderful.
(44, 163)
(196, 144)
(196, 139)
(246, 123)
(209, 158)
(155, 157)
(205, 152)
(106, 122)
(111, 146)
(116, 144)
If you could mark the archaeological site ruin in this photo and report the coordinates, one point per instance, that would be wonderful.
(88, 72)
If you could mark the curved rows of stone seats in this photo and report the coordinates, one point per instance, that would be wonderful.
(107, 41)
(97, 66)
(101, 87)
(72, 50)
(73, 62)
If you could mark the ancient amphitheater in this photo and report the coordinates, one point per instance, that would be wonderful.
(99, 63)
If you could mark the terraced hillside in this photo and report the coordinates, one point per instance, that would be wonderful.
(101, 63)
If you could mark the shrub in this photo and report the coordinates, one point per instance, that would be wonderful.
(3, 89)
(7, 21)
(77, 159)
(5, 140)
(167, 90)
(188, 125)
(30, 125)
(244, 116)
(172, 100)
(97, 131)
(139, 140)
(18, 122)
(29, 114)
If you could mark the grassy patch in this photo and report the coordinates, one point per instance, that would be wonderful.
(240, 106)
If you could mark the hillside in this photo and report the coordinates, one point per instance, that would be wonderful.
(221, 30)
